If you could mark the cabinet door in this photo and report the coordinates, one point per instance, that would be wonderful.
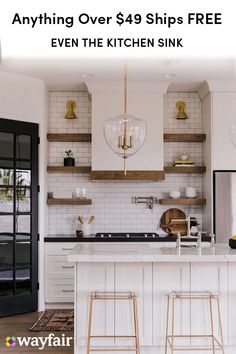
(169, 277)
(232, 301)
(135, 277)
(59, 290)
(57, 267)
(209, 277)
(58, 248)
(92, 277)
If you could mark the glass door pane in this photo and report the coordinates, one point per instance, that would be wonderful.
(18, 207)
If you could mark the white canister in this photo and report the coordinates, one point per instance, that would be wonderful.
(190, 192)
(86, 228)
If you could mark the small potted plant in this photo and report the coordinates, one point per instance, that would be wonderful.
(69, 160)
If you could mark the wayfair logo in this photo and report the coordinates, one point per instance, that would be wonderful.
(10, 341)
(40, 342)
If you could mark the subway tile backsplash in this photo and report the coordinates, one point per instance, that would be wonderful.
(113, 204)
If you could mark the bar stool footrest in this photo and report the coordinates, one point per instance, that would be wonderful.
(115, 349)
(116, 336)
(192, 347)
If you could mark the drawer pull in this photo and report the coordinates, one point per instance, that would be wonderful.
(67, 249)
(67, 291)
(67, 267)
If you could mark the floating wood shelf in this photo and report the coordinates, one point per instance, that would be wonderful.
(68, 201)
(69, 169)
(189, 138)
(185, 169)
(130, 176)
(182, 201)
(70, 137)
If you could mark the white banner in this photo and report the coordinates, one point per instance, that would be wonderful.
(77, 29)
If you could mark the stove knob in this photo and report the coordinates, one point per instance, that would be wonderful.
(102, 235)
(153, 235)
(109, 235)
(127, 235)
(145, 235)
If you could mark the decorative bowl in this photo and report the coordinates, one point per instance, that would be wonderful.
(174, 194)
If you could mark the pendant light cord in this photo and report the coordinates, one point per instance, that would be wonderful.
(125, 113)
(125, 89)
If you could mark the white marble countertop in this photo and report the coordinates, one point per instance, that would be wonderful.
(148, 252)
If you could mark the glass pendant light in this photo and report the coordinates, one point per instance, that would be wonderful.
(125, 134)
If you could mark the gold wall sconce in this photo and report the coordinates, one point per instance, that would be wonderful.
(70, 114)
(181, 107)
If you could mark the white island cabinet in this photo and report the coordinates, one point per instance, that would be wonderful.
(151, 272)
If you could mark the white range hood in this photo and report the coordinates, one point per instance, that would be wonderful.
(145, 100)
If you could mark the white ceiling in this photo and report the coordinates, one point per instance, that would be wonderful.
(68, 74)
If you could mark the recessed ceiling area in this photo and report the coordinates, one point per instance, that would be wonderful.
(70, 74)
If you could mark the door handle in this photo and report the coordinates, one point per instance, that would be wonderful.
(67, 291)
(67, 249)
(67, 267)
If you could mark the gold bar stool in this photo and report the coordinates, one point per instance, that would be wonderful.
(170, 338)
(125, 296)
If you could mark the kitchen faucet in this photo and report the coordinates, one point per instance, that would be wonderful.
(149, 201)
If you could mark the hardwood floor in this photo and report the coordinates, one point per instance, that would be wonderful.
(19, 325)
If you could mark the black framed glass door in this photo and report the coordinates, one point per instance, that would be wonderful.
(18, 217)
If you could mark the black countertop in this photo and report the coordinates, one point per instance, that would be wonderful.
(93, 239)
(61, 239)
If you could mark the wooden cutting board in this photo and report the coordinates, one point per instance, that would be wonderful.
(173, 221)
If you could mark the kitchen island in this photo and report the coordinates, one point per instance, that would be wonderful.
(151, 272)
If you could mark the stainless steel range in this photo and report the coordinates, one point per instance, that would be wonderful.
(131, 235)
(126, 236)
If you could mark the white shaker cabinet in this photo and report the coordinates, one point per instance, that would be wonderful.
(135, 277)
(59, 273)
(94, 277)
(168, 277)
(232, 303)
(209, 277)
(190, 316)
(115, 317)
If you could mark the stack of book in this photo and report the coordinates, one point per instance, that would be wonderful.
(183, 163)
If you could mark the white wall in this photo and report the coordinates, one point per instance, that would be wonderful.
(112, 200)
(145, 100)
(218, 111)
(224, 111)
(26, 99)
(207, 155)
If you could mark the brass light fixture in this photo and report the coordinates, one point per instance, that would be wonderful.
(125, 134)
(181, 107)
(70, 114)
